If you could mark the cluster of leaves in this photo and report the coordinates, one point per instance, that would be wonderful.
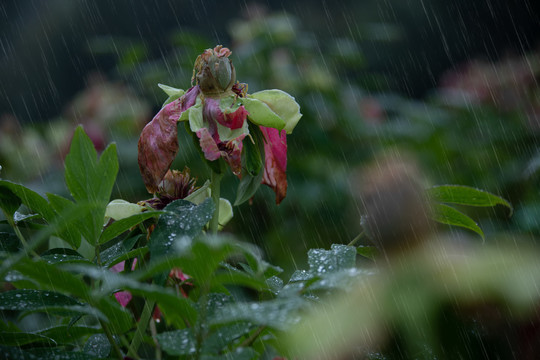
(75, 287)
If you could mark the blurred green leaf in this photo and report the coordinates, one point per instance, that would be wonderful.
(52, 278)
(120, 226)
(369, 252)
(242, 353)
(222, 337)
(339, 257)
(247, 187)
(181, 220)
(23, 338)
(59, 354)
(90, 180)
(9, 242)
(9, 191)
(279, 314)
(178, 342)
(98, 345)
(448, 215)
(65, 334)
(465, 195)
(71, 234)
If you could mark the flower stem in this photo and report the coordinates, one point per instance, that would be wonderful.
(215, 188)
(355, 240)
(113, 343)
(141, 327)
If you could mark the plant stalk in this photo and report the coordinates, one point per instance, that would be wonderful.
(215, 188)
(141, 328)
(107, 332)
(355, 240)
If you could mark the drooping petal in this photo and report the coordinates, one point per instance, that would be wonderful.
(158, 143)
(123, 297)
(261, 114)
(208, 144)
(275, 152)
(283, 104)
(232, 153)
(225, 113)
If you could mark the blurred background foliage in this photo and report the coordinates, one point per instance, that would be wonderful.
(455, 85)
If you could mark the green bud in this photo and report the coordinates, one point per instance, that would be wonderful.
(214, 71)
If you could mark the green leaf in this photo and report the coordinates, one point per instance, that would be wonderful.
(170, 91)
(279, 314)
(283, 104)
(261, 114)
(465, 195)
(34, 201)
(119, 319)
(90, 180)
(247, 188)
(15, 353)
(24, 299)
(253, 152)
(62, 256)
(120, 226)
(369, 252)
(23, 338)
(72, 232)
(178, 342)
(98, 345)
(450, 216)
(339, 257)
(119, 251)
(241, 353)
(59, 354)
(223, 336)
(9, 242)
(66, 334)
(166, 298)
(180, 220)
(52, 278)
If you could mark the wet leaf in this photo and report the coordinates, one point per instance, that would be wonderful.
(23, 338)
(91, 180)
(178, 342)
(98, 345)
(279, 314)
(339, 257)
(180, 220)
(120, 226)
(247, 188)
(222, 337)
(448, 215)
(241, 353)
(9, 192)
(465, 195)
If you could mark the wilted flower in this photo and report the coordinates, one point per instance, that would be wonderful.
(217, 108)
(175, 185)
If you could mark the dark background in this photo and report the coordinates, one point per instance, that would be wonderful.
(44, 56)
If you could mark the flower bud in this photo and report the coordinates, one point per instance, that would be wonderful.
(214, 71)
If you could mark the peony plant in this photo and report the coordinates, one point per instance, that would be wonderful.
(246, 131)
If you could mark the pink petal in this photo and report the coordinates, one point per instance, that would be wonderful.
(275, 152)
(233, 120)
(208, 144)
(123, 297)
(232, 152)
(158, 143)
